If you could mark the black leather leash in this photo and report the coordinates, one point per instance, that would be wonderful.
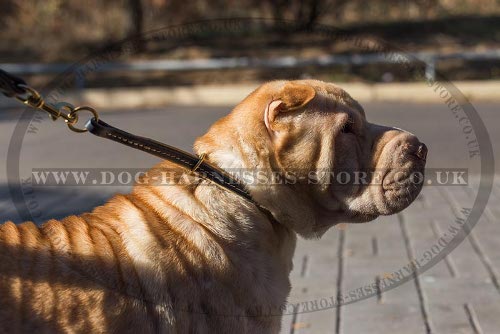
(10, 85)
(164, 151)
(15, 87)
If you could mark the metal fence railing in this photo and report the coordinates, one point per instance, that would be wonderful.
(429, 59)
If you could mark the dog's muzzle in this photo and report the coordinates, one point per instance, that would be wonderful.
(404, 158)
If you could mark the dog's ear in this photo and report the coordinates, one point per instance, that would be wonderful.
(292, 96)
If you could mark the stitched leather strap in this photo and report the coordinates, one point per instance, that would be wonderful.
(182, 158)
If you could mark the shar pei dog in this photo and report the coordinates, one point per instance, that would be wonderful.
(196, 258)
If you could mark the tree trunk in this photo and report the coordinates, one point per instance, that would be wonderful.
(136, 12)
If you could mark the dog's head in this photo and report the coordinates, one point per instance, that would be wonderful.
(314, 159)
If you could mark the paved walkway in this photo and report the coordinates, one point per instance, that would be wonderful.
(460, 294)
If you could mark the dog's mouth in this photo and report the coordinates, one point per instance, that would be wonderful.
(388, 191)
(399, 188)
(404, 158)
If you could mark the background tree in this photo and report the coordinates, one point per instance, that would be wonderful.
(136, 12)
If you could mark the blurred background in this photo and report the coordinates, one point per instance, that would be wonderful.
(172, 87)
(55, 31)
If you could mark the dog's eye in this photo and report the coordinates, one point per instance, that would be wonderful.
(348, 126)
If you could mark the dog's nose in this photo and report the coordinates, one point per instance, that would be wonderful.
(421, 151)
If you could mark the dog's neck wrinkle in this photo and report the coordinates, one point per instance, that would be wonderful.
(247, 158)
(248, 208)
(272, 199)
(260, 206)
(247, 224)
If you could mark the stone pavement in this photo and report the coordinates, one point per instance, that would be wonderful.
(460, 294)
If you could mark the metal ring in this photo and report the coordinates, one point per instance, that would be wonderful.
(30, 90)
(34, 95)
(200, 161)
(74, 116)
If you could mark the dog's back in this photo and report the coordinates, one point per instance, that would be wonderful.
(70, 274)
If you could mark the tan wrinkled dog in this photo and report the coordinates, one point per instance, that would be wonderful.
(193, 258)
